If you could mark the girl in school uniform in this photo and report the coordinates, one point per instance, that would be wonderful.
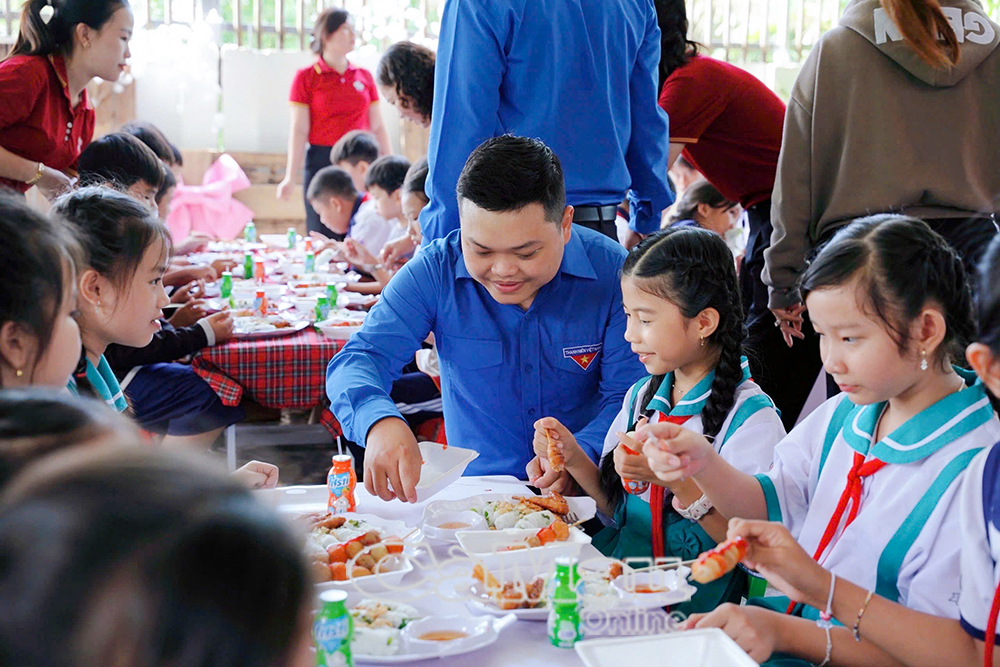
(46, 119)
(329, 98)
(868, 485)
(685, 322)
(910, 636)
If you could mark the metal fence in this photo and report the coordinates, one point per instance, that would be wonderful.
(739, 31)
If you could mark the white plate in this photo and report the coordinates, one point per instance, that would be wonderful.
(247, 289)
(710, 646)
(492, 627)
(308, 303)
(380, 581)
(277, 240)
(583, 507)
(324, 278)
(673, 581)
(442, 466)
(287, 331)
(485, 545)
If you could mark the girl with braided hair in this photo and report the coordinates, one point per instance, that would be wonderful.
(865, 492)
(685, 322)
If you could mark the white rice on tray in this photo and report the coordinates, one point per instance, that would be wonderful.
(378, 626)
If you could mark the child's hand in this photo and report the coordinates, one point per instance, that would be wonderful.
(546, 479)
(356, 253)
(258, 475)
(778, 557)
(561, 438)
(195, 242)
(321, 243)
(224, 264)
(672, 451)
(633, 466)
(396, 252)
(194, 289)
(222, 325)
(188, 314)
(752, 628)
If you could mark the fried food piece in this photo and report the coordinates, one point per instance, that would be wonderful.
(370, 538)
(556, 460)
(718, 561)
(366, 561)
(329, 521)
(615, 570)
(338, 571)
(553, 502)
(483, 576)
(359, 571)
(320, 571)
(560, 529)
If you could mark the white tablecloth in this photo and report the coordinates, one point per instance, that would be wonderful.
(525, 643)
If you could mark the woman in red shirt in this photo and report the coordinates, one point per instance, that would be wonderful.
(727, 124)
(329, 99)
(46, 119)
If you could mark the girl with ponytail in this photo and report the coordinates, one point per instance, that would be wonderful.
(685, 323)
(46, 119)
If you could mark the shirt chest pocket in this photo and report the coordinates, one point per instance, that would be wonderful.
(471, 366)
(576, 372)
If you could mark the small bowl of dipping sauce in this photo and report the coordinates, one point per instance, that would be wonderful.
(440, 632)
(444, 525)
(662, 587)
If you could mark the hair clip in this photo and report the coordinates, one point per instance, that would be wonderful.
(47, 12)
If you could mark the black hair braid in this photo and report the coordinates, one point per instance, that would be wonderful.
(728, 337)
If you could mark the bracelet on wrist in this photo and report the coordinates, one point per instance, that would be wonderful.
(861, 612)
(39, 172)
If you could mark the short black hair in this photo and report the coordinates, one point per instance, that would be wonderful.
(388, 172)
(354, 147)
(331, 181)
(119, 159)
(507, 173)
(150, 135)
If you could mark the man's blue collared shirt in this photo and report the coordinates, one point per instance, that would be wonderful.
(580, 75)
(502, 368)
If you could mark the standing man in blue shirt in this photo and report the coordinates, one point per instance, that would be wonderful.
(581, 76)
(526, 311)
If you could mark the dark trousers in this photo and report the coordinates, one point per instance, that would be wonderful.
(969, 237)
(786, 374)
(606, 227)
(317, 157)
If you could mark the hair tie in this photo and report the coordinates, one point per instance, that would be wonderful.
(47, 12)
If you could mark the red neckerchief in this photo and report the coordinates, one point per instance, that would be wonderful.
(852, 494)
(657, 495)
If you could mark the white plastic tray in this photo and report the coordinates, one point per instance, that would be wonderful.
(710, 647)
(580, 507)
(486, 545)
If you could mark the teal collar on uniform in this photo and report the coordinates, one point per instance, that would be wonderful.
(104, 383)
(694, 400)
(938, 425)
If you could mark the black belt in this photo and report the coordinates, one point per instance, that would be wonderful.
(595, 213)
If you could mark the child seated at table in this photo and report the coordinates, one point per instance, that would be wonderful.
(685, 322)
(354, 153)
(125, 163)
(413, 200)
(121, 298)
(704, 206)
(344, 212)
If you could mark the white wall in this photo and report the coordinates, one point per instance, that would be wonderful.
(255, 86)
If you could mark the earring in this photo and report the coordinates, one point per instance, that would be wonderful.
(923, 360)
(703, 341)
(19, 372)
(97, 308)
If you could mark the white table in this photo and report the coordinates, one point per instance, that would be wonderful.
(526, 643)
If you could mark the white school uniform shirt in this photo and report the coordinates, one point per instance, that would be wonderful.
(369, 228)
(747, 437)
(980, 516)
(905, 541)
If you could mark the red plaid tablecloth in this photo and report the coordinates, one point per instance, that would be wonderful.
(283, 372)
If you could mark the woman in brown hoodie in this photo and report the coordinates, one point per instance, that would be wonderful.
(885, 117)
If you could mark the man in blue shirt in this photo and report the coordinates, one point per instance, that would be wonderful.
(581, 76)
(526, 312)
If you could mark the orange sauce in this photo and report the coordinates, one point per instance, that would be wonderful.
(454, 525)
(442, 636)
(646, 588)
